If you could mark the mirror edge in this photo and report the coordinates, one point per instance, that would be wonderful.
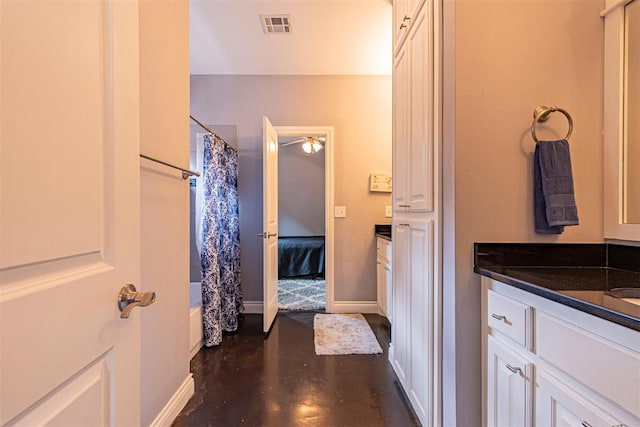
(614, 227)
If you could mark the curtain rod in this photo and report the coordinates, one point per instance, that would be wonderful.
(186, 173)
(211, 132)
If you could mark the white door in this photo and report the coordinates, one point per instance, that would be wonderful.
(69, 212)
(270, 222)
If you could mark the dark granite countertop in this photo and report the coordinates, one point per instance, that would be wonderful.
(576, 275)
(383, 230)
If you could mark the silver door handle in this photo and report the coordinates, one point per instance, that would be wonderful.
(266, 235)
(129, 297)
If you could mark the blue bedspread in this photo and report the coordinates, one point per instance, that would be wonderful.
(300, 256)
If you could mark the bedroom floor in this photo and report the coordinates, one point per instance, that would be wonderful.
(279, 381)
(301, 294)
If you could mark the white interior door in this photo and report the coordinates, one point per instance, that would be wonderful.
(69, 212)
(270, 222)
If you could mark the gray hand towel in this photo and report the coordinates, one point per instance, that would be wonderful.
(553, 175)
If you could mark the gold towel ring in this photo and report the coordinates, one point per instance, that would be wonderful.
(541, 114)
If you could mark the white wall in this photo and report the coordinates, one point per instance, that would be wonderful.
(164, 117)
(359, 108)
(300, 192)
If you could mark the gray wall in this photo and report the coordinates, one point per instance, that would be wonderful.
(300, 192)
(502, 72)
(359, 108)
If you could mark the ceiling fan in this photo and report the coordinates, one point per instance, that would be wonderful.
(310, 144)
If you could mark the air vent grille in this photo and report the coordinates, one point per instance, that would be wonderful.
(276, 24)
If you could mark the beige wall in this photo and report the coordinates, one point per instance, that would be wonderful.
(510, 57)
(164, 119)
(359, 107)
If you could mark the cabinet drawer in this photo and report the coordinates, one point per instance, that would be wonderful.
(509, 317)
(605, 367)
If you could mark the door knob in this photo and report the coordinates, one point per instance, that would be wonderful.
(129, 297)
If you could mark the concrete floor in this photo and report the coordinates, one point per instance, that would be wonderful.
(250, 380)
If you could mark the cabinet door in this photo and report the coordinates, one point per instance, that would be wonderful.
(388, 288)
(509, 387)
(558, 405)
(381, 278)
(400, 131)
(401, 19)
(401, 306)
(421, 280)
(420, 179)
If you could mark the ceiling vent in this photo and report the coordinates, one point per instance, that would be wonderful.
(276, 24)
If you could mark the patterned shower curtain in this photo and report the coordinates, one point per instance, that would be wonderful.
(220, 255)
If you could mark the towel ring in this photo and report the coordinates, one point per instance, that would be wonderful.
(541, 114)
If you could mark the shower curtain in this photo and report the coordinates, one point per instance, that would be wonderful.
(220, 255)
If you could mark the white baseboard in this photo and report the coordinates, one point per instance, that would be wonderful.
(253, 307)
(176, 404)
(355, 307)
(256, 307)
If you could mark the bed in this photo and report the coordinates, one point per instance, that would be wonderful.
(300, 256)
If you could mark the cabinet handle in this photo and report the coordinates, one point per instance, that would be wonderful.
(403, 225)
(404, 206)
(406, 18)
(378, 262)
(387, 268)
(514, 370)
(403, 26)
(586, 424)
(498, 317)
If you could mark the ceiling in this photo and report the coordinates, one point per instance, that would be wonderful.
(327, 37)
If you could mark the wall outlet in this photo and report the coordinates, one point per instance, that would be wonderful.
(387, 211)
(340, 211)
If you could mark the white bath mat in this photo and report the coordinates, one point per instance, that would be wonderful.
(343, 334)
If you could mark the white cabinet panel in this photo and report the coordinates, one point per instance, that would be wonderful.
(509, 317)
(420, 175)
(400, 131)
(383, 276)
(509, 387)
(421, 278)
(414, 175)
(400, 328)
(581, 351)
(558, 405)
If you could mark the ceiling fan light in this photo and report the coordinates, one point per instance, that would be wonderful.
(317, 146)
(307, 147)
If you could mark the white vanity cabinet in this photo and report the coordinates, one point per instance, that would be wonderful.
(546, 364)
(384, 277)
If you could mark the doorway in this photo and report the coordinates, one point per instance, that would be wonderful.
(305, 217)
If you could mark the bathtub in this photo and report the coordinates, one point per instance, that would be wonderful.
(196, 339)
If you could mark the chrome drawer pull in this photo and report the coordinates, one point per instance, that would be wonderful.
(514, 370)
(498, 317)
(585, 424)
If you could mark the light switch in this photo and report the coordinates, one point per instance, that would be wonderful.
(387, 211)
(340, 211)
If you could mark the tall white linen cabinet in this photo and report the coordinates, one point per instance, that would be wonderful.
(415, 349)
